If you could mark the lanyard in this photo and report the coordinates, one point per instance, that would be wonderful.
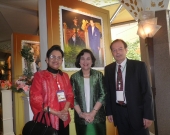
(58, 84)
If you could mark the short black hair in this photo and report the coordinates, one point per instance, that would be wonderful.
(81, 53)
(117, 40)
(56, 48)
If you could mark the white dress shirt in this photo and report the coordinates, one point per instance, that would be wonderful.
(123, 69)
(87, 93)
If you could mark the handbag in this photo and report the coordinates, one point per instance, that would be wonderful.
(38, 128)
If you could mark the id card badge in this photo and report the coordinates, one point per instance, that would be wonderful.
(119, 95)
(61, 96)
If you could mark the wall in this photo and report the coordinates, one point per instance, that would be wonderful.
(162, 71)
(53, 31)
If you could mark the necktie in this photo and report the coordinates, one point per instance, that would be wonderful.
(119, 79)
(119, 82)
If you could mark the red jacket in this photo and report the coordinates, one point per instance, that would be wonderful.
(43, 92)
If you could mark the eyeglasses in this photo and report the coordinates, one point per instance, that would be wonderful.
(53, 57)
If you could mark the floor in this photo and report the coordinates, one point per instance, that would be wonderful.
(2, 125)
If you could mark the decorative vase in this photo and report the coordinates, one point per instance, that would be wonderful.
(27, 93)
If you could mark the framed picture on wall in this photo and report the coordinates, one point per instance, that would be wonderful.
(35, 49)
(79, 30)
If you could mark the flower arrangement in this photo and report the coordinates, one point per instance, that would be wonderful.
(5, 84)
(23, 83)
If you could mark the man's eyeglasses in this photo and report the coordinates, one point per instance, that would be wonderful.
(53, 57)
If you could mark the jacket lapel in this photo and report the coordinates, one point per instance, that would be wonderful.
(91, 90)
(81, 81)
(113, 74)
(129, 71)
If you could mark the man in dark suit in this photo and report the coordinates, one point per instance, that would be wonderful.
(76, 40)
(129, 102)
(94, 39)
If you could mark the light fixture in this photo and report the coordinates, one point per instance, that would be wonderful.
(2, 62)
(2, 71)
(147, 28)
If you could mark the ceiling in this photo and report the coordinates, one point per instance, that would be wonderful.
(21, 16)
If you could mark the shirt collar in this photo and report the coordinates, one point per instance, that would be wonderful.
(123, 64)
(81, 72)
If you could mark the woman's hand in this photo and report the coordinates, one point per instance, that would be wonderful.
(89, 117)
(63, 115)
(45, 109)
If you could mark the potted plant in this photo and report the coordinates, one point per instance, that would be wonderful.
(23, 83)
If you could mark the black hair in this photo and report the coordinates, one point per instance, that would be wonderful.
(56, 48)
(81, 53)
(117, 40)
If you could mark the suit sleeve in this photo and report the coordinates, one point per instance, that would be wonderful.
(108, 98)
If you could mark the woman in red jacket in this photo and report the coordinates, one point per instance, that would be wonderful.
(51, 89)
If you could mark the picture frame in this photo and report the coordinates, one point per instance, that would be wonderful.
(35, 49)
(76, 33)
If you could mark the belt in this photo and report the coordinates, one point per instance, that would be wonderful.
(121, 105)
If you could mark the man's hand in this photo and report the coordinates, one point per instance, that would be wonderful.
(147, 123)
(110, 118)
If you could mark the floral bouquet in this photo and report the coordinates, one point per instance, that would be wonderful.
(5, 84)
(23, 84)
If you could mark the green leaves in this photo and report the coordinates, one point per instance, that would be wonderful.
(27, 54)
(70, 54)
(14, 89)
(28, 57)
(24, 81)
(134, 50)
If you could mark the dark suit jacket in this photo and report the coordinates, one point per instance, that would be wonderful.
(137, 91)
(78, 42)
(94, 39)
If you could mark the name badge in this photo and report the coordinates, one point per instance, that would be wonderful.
(120, 95)
(61, 96)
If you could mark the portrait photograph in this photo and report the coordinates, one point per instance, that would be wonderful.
(79, 30)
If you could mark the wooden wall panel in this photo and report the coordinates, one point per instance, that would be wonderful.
(16, 72)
